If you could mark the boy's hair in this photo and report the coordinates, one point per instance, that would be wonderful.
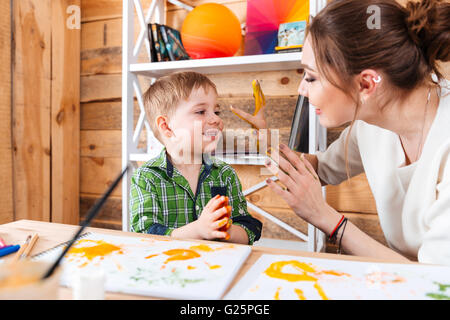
(166, 92)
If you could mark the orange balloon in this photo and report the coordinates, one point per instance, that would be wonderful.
(211, 30)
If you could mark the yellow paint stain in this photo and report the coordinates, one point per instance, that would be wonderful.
(191, 267)
(275, 270)
(306, 273)
(180, 254)
(118, 266)
(91, 249)
(334, 273)
(216, 266)
(277, 294)
(320, 291)
(300, 294)
(202, 247)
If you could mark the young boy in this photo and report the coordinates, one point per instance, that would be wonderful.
(182, 192)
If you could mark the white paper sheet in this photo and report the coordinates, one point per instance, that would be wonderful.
(161, 268)
(292, 277)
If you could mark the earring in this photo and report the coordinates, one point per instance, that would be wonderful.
(377, 79)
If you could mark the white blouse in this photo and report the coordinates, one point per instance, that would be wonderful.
(413, 202)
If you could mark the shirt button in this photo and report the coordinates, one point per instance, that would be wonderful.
(241, 211)
(144, 218)
(197, 207)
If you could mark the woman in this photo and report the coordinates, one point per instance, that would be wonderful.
(385, 81)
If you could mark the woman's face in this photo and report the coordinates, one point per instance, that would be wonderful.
(333, 107)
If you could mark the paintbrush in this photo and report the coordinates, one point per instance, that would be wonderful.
(90, 215)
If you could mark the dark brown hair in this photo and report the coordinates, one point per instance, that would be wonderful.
(404, 47)
(162, 97)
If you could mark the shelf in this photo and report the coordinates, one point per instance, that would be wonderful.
(262, 62)
(256, 160)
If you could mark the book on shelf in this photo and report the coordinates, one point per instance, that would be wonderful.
(154, 43)
(166, 43)
(153, 53)
(174, 45)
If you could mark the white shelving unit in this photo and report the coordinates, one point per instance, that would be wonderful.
(131, 88)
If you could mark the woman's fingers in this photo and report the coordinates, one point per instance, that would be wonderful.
(309, 167)
(288, 167)
(282, 192)
(283, 177)
(301, 164)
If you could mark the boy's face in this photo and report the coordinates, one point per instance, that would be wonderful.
(196, 124)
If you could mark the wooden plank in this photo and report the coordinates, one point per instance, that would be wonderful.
(31, 108)
(6, 166)
(65, 116)
(93, 10)
(101, 143)
(353, 195)
(275, 84)
(110, 216)
(104, 115)
(98, 173)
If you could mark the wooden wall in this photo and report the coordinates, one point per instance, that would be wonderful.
(45, 111)
(6, 166)
(101, 40)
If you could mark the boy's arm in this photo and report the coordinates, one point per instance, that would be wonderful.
(146, 213)
(241, 218)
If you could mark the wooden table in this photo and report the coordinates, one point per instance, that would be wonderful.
(51, 234)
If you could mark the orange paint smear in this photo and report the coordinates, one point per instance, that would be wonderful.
(320, 291)
(202, 247)
(191, 268)
(151, 256)
(180, 254)
(215, 266)
(275, 271)
(277, 294)
(99, 249)
(307, 273)
(300, 294)
(335, 273)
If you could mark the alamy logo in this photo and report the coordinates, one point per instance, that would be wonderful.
(74, 19)
(374, 20)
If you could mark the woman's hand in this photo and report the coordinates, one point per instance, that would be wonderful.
(303, 191)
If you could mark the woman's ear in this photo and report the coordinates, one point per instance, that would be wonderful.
(162, 123)
(369, 80)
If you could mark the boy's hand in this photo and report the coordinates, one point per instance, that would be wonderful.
(214, 219)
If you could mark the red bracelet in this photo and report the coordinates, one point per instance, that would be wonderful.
(334, 230)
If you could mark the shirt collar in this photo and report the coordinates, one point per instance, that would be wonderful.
(163, 162)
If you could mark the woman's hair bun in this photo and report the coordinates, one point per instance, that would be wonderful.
(428, 23)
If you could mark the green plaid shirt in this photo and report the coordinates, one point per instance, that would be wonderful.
(161, 199)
